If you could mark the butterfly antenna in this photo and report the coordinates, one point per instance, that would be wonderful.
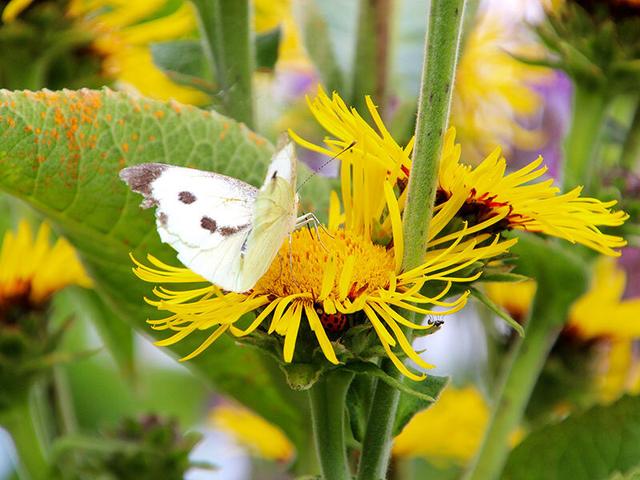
(319, 169)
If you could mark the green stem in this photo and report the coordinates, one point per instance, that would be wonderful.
(438, 74)
(207, 15)
(631, 149)
(376, 446)
(581, 145)
(440, 57)
(328, 405)
(66, 414)
(561, 279)
(522, 370)
(228, 46)
(19, 421)
(371, 63)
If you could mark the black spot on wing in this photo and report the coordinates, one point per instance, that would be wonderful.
(162, 218)
(186, 197)
(140, 177)
(226, 231)
(209, 224)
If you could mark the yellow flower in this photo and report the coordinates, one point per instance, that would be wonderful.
(32, 270)
(516, 298)
(262, 438)
(124, 31)
(601, 315)
(488, 198)
(492, 89)
(449, 431)
(618, 370)
(269, 14)
(512, 201)
(601, 312)
(350, 276)
(13, 9)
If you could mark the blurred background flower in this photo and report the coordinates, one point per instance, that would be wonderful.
(495, 93)
(31, 272)
(253, 432)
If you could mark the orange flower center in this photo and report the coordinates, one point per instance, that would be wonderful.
(341, 264)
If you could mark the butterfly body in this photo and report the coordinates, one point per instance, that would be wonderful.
(224, 229)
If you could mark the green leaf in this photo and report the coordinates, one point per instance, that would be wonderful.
(371, 369)
(595, 444)
(182, 56)
(267, 45)
(556, 268)
(503, 277)
(409, 405)
(486, 301)
(358, 403)
(419, 396)
(61, 153)
(183, 62)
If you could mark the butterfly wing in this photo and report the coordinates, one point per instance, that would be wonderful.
(204, 216)
(274, 216)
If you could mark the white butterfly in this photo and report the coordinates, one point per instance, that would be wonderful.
(224, 229)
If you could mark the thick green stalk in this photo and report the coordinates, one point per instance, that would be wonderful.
(561, 279)
(441, 52)
(371, 63)
(376, 446)
(328, 406)
(522, 370)
(581, 145)
(19, 421)
(438, 74)
(228, 45)
(631, 150)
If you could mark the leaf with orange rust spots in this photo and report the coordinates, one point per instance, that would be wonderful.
(61, 153)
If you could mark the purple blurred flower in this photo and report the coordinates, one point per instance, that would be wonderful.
(630, 262)
(292, 84)
(319, 163)
(553, 120)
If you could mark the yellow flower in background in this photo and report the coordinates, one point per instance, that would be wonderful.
(31, 269)
(124, 32)
(13, 9)
(516, 297)
(493, 89)
(351, 275)
(269, 14)
(601, 315)
(602, 312)
(449, 431)
(260, 437)
(618, 370)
